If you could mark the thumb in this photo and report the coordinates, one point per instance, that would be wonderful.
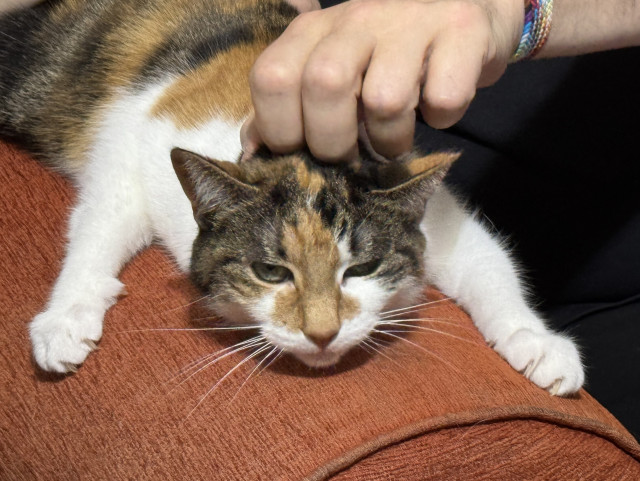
(249, 137)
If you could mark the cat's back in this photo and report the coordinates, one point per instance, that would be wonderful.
(63, 63)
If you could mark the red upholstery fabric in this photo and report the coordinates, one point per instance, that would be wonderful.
(444, 406)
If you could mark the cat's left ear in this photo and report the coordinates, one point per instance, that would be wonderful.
(209, 184)
(408, 185)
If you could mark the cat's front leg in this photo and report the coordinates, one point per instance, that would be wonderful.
(107, 227)
(468, 264)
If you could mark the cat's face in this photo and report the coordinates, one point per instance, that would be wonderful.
(311, 253)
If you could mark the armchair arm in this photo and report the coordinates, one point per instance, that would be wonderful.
(431, 405)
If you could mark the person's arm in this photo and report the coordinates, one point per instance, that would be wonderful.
(379, 60)
(585, 26)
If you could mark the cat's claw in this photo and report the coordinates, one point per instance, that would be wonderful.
(555, 389)
(531, 367)
(63, 340)
(70, 367)
(550, 360)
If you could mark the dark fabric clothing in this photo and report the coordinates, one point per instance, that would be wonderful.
(551, 157)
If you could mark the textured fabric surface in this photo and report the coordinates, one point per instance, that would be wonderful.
(124, 415)
(516, 449)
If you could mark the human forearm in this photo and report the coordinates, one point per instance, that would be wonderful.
(583, 26)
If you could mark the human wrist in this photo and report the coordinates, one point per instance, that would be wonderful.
(507, 20)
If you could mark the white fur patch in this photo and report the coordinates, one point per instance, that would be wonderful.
(470, 265)
(129, 194)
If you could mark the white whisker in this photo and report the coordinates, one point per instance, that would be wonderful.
(411, 328)
(215, 360)
(428, 319)
(366, 348)
(275, 348)
(218, 355)
(384, 343)
(415, 306)
(404, 313)
(431, 353)
(411, 321)
(416, 322)
(215, 386)
(191, 365)
(371, 344)
(206, 296)
(280, 353)
(162, 329)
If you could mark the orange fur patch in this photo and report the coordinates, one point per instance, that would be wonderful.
(309, 180)
(431, 162)
(316, 305)
(219, 87)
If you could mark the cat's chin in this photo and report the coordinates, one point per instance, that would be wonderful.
(320, 360)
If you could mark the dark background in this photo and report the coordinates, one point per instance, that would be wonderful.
(551, 157)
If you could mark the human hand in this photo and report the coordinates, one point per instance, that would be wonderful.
(304, 5)
(377, 61)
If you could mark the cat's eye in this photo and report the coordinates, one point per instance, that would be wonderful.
(271, 273)
(361, 270)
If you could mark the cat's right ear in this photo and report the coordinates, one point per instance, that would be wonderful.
(209, 184)
(406, 186)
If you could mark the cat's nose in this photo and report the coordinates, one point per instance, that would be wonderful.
(321, 339)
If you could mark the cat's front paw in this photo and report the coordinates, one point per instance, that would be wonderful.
(62, 340)
(550, 360)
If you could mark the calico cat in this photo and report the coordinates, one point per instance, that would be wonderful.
(141, 102)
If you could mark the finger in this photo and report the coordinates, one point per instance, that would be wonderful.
(275, 83)
(305, 5)
(249, 138)
(331, 86)
(452, 74)
(391, 93)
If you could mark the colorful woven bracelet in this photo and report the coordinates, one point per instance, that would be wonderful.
(537, 24)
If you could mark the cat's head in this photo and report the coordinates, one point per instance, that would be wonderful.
(312, 253)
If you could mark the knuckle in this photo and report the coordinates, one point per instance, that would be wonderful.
(385, 103)
(466, 15)
(361, 11)
(328, 78)
(303, 21)
(272, 76)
